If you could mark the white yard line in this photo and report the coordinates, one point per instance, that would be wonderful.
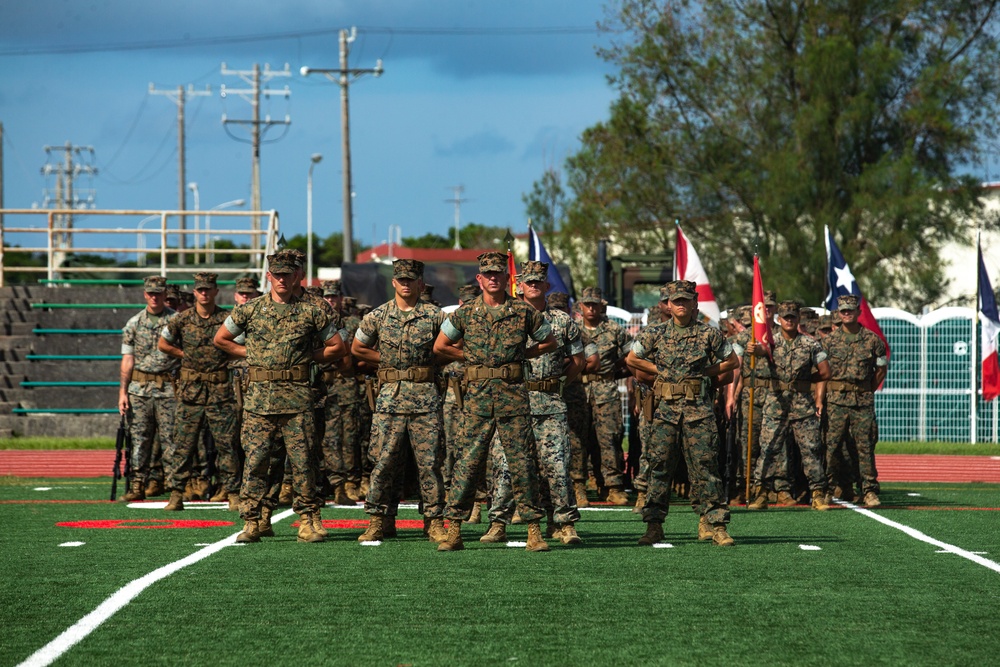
(923, 537)
(79, 630)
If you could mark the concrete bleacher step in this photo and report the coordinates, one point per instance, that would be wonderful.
(69, 397)
(6, 433)
(17, 328)
(17, 342)
(7, 408)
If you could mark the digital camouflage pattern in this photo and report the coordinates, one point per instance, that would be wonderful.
(791, 411)
(261, 475)
(495, 337)
(280, 336)
(551, 364)
(340, 448)
(578, 416)
(200, 402)
(140, 336)
(681, 426)
(151, 418)
(853, 358)
(613, 344)
(404, 339)
(405, 411)
(607, 428)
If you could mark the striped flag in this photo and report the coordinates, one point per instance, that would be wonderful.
(687, 266)
(841, 281)
(990, 322)
(537, 252)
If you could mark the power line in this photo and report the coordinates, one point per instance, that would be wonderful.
(180, 43)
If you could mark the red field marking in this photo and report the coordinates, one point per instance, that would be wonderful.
(54, 502)
(144, 523)
(361, 524)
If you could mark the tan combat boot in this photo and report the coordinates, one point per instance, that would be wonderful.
(496, 534)
(535, 541)
(154, 488)
(476, 515)
(720, 537)
(759, 502)
(591, 483)
(436, 532)
(568, 535)
(640, 502)
(189, 491)
(785, 499)
(454, 540)
(654, 534)
(251, 533)
(285, 495)
(221, 494)
(352, 491)
(264, 527)
(317, 524)
(820, 501)
(306, 531)
(516, 519)
(202, 486)
(551, 527)
(340, 496)
(616, 496)
(374, 531)
(137, 491)
(871, 500)
(365, 485)
(705, 531)
(389, 526)
(234, 502)
(580, 491)
(176, 502)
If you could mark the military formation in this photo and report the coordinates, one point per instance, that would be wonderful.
(510, 403)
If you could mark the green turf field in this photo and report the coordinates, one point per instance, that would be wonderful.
(863, 593)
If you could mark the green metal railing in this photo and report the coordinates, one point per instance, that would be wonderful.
(65, 411)
(126, 281)
(97, 306)
(72, 357)
(68, 383)
(76, 332)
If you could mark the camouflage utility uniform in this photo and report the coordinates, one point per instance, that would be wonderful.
(206, 399)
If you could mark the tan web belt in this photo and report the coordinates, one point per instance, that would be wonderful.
(216, 377)
(548, 385)
(671, 391)
(597, 377)
(294, 374)
(847, 385)
(512, 372)
(158, 378)
(415, 374)
(336, 374)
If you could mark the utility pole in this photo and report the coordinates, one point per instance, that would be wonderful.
(457, 201)
(252, 95)
(344, 76)
(66, 196)
(179, 98)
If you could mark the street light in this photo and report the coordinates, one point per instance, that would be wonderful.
(313, 161)
(140, 240)
(210, 257)
(193, 187)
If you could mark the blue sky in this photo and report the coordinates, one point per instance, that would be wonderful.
(480, 94)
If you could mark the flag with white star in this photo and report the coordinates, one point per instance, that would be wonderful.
(841, 281)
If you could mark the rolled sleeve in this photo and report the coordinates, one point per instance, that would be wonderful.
(453, 334)
(232, 326)
(364, 338)
(166, 335)
(539, 334)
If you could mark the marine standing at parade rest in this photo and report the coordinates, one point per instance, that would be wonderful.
(607, 428)
(858, 365)
(548, 420)
(408, 405)
(204, 391)
(791, 405)
(496, 329)
(684, 355)
(281, 330)
(146, 389)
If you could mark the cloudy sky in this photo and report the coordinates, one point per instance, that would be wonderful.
(484, 95)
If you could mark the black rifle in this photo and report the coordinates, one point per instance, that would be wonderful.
(123, 447)
(211, 453)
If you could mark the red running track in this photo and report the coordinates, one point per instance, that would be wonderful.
(891, 467)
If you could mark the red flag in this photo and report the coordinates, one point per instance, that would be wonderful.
(761, 323)
(687, 266)
(512, 270)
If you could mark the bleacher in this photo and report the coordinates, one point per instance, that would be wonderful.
(60, 354)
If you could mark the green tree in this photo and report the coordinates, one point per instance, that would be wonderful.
(762, 121)
(326, 252)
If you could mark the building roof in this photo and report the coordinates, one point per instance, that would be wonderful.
(380, 253)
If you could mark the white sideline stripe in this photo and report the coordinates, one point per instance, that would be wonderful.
(79, 630)
(917, 535)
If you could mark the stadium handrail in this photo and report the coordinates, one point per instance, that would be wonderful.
(68, 383)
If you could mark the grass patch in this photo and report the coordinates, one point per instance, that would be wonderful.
(869, 590)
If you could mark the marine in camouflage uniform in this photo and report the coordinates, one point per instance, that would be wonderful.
(399, 336)
(146, 391)
(340, 411)
(281, 334)
(858, 365)
(204, 390)
(791, 406)
(491, 334)
(761, 377)
(548, 420)
(603, 397)
(643, 388)
(684, 354)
